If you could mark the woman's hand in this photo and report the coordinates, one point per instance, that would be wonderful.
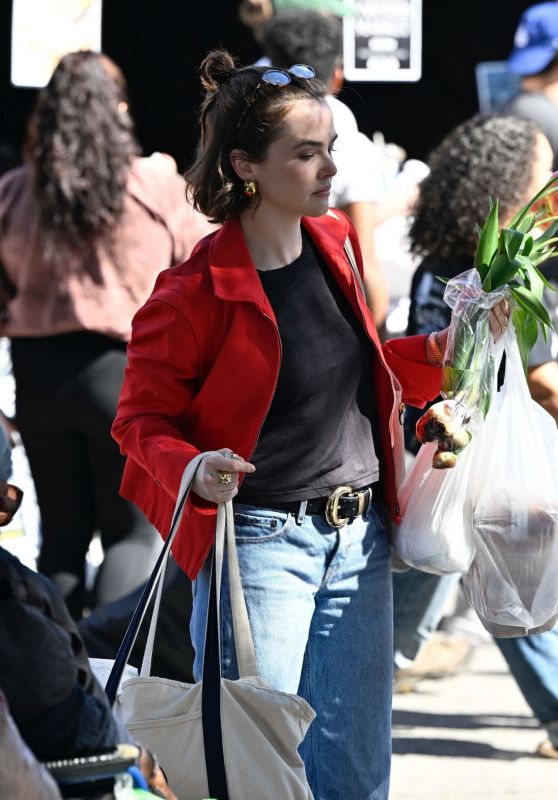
(154, 775)
(217, 476)
(499, 318)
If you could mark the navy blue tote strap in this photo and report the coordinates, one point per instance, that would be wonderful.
(211, 700)
(111, 688)
(211, 687)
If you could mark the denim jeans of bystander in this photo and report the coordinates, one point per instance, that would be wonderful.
(533, 662)
(419, 600)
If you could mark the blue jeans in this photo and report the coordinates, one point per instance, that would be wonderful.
(5, 456)
(319, 602)
(533, 662)
(419, 600)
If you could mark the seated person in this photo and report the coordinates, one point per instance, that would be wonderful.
(59, 707)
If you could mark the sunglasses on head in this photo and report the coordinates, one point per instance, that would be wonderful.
(277, 78)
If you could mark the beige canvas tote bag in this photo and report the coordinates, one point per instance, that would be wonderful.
(220, 738)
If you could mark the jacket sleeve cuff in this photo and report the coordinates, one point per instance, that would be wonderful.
(420, 380)
(175, 464)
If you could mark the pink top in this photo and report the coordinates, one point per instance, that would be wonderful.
(95, 290)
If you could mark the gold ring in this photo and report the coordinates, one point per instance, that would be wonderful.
(224, 477)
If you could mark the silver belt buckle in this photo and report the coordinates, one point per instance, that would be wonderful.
(332, 506)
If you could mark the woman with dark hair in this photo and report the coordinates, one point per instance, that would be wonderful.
(486, 156)
(85, 227)
(261, 347)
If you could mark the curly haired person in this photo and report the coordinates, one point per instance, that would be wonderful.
(85, 227)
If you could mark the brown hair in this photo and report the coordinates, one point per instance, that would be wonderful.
(80, 145)
(214, 187)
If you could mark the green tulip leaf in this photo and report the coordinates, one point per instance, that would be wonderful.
(547, 234)
(526, 224)
(528, 246)
(520, 218)
(501, 271)
(526, 331)
(545, 249)
(541, 258)
(537, 278)
(488, 242)
(511, 240)
(531, 304)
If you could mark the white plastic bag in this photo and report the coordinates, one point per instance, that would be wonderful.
(435, 535)
(102, 667)
(512, 582)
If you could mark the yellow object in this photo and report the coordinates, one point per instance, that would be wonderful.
(250, 188)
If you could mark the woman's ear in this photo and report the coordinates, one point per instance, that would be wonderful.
(243, 167)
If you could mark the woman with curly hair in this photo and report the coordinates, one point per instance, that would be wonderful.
(85, 227)
(486, 156)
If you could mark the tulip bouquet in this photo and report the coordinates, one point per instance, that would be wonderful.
(506, 266)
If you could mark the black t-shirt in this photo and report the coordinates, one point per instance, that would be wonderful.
(428, 310)
(318, 433)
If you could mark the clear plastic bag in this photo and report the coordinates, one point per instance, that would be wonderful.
(469, 359)
(468, 370)
(512, 582)
(436, 533)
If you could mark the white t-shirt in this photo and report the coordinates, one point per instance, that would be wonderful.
(358, 161)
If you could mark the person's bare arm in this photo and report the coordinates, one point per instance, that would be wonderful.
(363, 216)
(543, 385)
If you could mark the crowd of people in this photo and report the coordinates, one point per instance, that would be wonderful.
(242, 312)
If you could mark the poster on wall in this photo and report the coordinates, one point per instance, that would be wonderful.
(382, 40)
(45, 30)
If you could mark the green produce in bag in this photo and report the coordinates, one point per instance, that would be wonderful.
(506, 266)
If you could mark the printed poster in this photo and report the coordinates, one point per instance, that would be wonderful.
(45, 30)
(382, 41)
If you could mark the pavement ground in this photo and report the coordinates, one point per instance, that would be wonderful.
(469, 737)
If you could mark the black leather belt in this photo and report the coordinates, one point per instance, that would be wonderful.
(340, 507)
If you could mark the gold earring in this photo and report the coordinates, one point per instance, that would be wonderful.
(250, 188)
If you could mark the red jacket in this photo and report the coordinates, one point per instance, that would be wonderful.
(203, 364)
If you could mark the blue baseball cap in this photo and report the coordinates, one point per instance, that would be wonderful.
(536, 39)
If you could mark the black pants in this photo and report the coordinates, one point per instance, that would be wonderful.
(67, 389)
(173, 654)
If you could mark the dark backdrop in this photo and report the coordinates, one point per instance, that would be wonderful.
(158, 44)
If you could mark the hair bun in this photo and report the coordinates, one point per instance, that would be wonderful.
(216, 69)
